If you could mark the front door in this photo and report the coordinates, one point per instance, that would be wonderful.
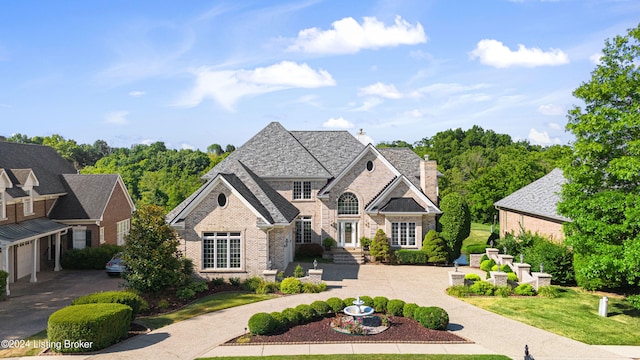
(349, 234)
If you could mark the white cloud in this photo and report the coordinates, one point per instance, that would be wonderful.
(137, 93)
(339, 123)
(382, 90)
(495, 53)
(541, 138)
(349, 37)
(368, 104)
(228, 86)
(555, 126)
(551, 109)
(148, 141)
(116, 117)
(187, 147)
(596, 58)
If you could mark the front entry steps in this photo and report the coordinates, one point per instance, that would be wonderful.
(347, 256)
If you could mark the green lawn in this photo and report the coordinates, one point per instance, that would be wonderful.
(479, 235)
(368, 357)
(574, 315)
(202, 306)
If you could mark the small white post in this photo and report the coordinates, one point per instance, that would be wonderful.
(603, 308)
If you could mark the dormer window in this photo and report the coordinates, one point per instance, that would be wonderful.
(301, 190)
(27, 204)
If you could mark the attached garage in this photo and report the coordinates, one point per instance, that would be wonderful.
(24, 263)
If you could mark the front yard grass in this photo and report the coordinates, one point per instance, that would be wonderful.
(367, 357)
(478, 236)
(574, 314)
(202, 306)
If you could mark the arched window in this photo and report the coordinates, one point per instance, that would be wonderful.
(347, 204)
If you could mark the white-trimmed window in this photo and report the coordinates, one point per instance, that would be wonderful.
(403, 234)
(301, 190)
(221, 250)
(303, 230)
(348, 204)
(3, 206)
(79, 237)
(27, 204)
(122, 230)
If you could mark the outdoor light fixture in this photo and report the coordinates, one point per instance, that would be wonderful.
(269, 265)
(455, 264)
(315, 264)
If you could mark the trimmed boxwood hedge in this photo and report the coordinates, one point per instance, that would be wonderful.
(89, 258)
(118, 297)
(380, 304)
(432, 317)
(262, 323)
(321, 308)
(409, 310)
(394, 307)
(336, 304)
(95, 325)
(410, 257)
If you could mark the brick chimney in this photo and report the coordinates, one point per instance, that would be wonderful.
(429, 178)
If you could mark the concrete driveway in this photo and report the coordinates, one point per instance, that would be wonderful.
(27, 309)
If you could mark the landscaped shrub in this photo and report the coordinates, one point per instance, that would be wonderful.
(634, 300)
(379, 248)
(309, 250)
(133, 300)
(336, 304)
(280, 321)
(557, 259)
(293, 317)
(458, 291)
(409, 309)
(503, 268)
(394, 307)
(217, 281)
(472, 277)
(512, 277)
(321, 308)
(365, 242)
(348, 301)
(268, 287)
(368, 300)
(548, 292)
(298, 271)
(89, 258)
(524, 290)
(198, 286)
(503, 291)
(476, 249)
(100, 324)
(435, 248)
(432, 317)
(185, 294)
(484, 257)
(235, 281)
(291, 285)
(380, 304)
(252, 283)
(3, 283)
(487, 265)
(410, 257)
(311, 288)
(455, 221)
(307, 312)
(482, 288)
(262, 323)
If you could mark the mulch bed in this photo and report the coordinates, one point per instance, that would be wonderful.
(402, 330)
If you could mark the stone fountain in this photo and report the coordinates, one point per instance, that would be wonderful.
(357, 310)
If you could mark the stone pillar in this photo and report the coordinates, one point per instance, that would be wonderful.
(492, 253)
(57, 267)
(5, 265)
(34, 258)
(506, 260)
(269, 275)
(456, 278)
(541, 279)
(522, 271)
(474, 260)
(499, 278)
(315, 275)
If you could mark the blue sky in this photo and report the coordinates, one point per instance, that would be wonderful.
(194, 73)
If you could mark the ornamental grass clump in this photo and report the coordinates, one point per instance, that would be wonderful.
(291, 285)
(525, 290)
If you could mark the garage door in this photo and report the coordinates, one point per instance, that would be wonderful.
(24, 266)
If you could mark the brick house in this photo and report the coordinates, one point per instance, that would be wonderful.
(533, 208)
(285, 188)
(46, 207)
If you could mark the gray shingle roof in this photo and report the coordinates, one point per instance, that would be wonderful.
(274, 152)
(28, 229)
(402, 205)
(87, 198)
(538, 198)
(406, 161)
(333, 149)
(45, 162)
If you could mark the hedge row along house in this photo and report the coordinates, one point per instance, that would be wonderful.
(285, 188)
(47, 207)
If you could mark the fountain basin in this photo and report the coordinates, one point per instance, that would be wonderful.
(357, 310)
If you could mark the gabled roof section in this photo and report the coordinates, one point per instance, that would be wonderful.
(366, 150)
(539, 198)
(45, 162)
(402, 205)
(5, 182)
(406, 161)
(377, 204)
(87, 196)
(273, 152)
(25, 178)
(256, 193)
(333, 149)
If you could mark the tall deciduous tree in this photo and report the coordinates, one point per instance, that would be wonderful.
(456, 223)
(602, 196)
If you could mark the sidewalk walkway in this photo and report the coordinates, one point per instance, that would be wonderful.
(492, 334)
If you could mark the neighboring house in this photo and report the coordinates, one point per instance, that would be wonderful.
(533, 208)
(46, 207)
(285, 188)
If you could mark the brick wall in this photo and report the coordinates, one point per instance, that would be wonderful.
(117, 209)
(311, 207)
(512, 222)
